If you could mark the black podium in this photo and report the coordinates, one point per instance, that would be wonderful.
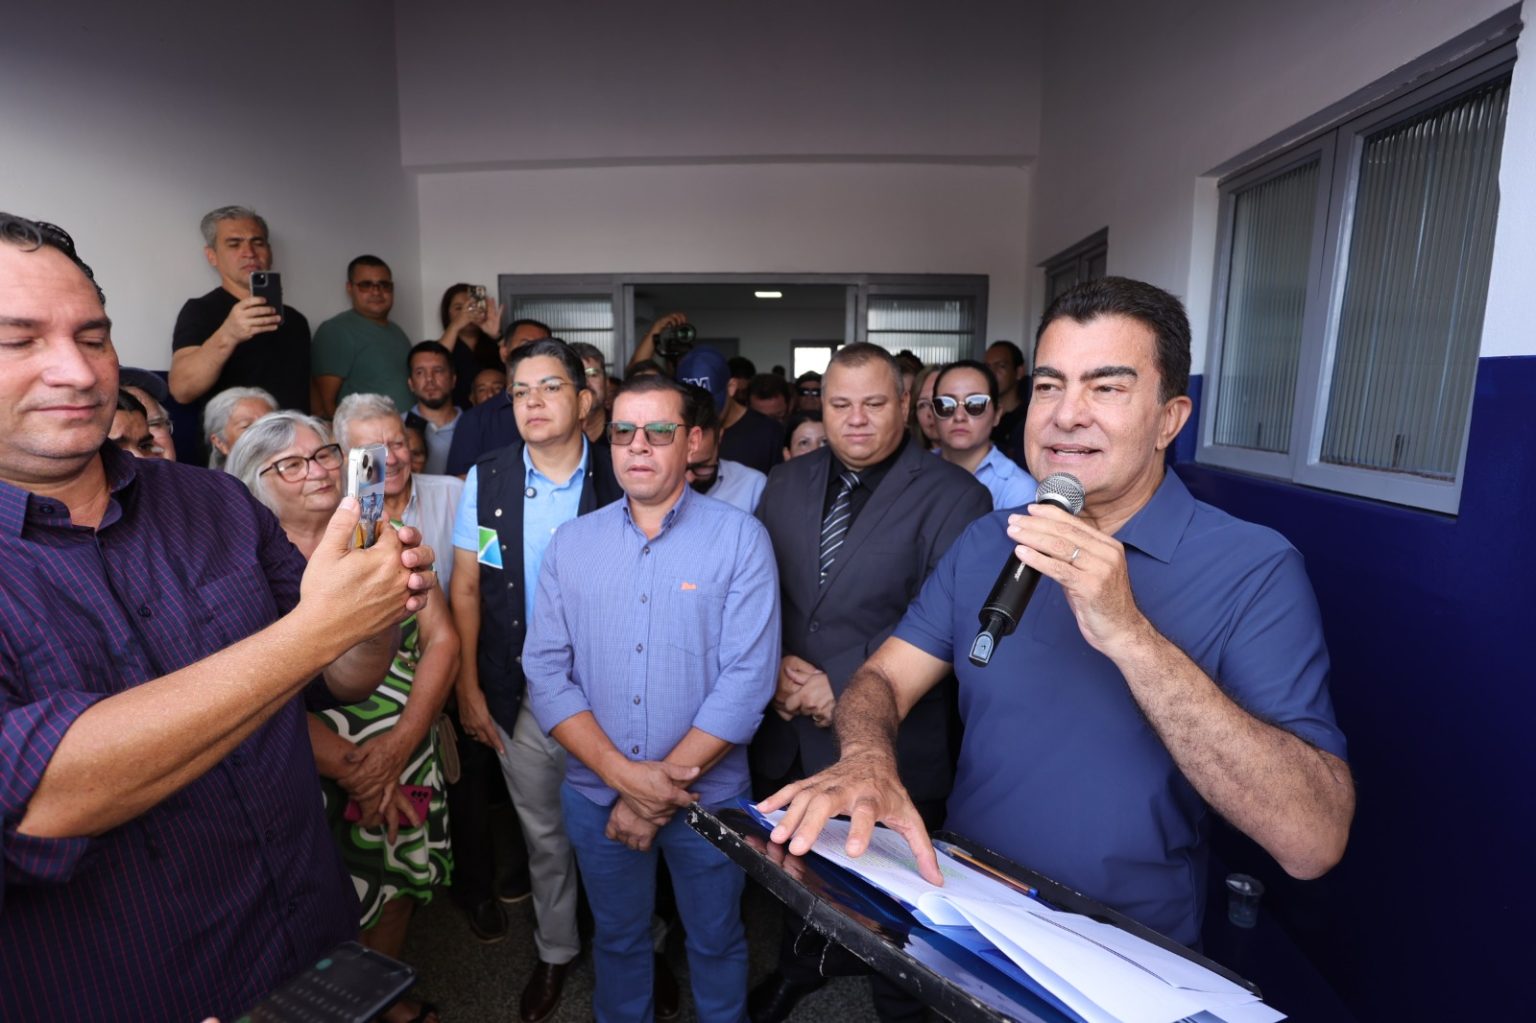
(965, 982)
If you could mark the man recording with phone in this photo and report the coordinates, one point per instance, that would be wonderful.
(1170, 662)
(163, 851)
(232, 338)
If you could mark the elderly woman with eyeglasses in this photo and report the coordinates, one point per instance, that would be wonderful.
(378, 760)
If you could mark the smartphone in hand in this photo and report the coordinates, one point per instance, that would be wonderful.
(268, 284)
(365, 481)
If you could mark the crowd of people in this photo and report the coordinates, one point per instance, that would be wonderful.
(230, 739)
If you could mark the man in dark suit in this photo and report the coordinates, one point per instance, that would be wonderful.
(856, 528)
(514, 497)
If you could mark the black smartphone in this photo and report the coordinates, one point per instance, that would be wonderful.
(351, 984)
(268, 284)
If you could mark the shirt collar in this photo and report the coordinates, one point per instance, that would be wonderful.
(999, 463)
(530, 473)
(666, 520)
(17, 506)
(1159, 525)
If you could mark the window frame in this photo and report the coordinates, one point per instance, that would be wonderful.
(1338, 147)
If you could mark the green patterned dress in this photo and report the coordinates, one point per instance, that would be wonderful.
(420, 858)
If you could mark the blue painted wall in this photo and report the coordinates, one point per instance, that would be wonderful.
(1431, 622)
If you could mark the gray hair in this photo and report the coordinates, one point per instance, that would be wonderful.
(361, 406)
(266, 437)
(218, 410)
(210, 222)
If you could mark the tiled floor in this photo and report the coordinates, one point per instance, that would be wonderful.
(470, 981)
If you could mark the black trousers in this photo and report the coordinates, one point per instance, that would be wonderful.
(469, 823)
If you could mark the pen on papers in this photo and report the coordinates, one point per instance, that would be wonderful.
(955, 852)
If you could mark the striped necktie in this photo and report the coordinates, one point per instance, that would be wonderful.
(834, 528)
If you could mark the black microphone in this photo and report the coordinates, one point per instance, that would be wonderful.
(1016, 584)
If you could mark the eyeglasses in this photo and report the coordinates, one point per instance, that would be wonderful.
(925, 404)
(374, 285)
(546, 388)
(975, 404)
(593, 371)
(296, 467)
(810, 392)
(162, 423)
(656, 434)
(705, 470)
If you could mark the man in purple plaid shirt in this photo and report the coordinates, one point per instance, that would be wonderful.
(163, 852)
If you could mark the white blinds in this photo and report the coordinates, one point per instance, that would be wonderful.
(1417, 279)
(935, 330)
(572, 318)
(1266, 299)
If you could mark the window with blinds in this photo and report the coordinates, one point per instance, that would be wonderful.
(572, 318)
(936, 330)
(1352, 275)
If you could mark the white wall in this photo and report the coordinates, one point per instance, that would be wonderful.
(1143, 100)
(484, 81)
(125, 124)
(733, 218)
(767, 334)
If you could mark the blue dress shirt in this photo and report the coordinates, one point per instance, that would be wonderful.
(655, 637)
(1059, 770)
(1010, 486)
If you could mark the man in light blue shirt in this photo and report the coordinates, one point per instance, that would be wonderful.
(653, 649)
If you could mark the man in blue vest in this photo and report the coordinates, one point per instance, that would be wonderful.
(514, 497)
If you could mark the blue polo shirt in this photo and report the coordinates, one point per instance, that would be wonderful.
(1058, 768)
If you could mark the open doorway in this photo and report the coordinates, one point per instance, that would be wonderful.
(732, 319)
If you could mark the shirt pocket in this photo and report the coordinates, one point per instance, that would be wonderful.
(233, 606)
(693, 614)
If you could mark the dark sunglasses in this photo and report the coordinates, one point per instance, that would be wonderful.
(810, 392)
(656, 434)
(975, 404)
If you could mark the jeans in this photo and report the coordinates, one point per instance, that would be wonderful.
(621, 885)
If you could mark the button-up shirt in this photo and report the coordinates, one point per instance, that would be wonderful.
(439, 438)
(1009, 485)
(215, 895)
(431, 508)
(657, 636)
(1059, 769)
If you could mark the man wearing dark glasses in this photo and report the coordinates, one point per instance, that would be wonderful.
(361, 350)
(653, 649)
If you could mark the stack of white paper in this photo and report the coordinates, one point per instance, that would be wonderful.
(1100, 972)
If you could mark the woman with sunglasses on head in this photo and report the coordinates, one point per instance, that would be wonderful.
(380, 772)
(965, 409)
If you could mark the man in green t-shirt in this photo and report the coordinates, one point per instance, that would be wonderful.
(360, 351)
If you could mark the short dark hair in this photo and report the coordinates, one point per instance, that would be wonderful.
(586, 350)
(524, 322)
(862, 353)
(653, 383)
(909, 362)
(126, 402)
(1145, 303)
(742, 368)
(1015, 353)
(427, 348)
(797, 420)
(554, 348)
(767, 385)
(364, 260)
(980, 367)
(31, 235)
(809, 376)
(699, 409)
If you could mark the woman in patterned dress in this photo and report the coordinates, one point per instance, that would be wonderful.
(378, 760)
